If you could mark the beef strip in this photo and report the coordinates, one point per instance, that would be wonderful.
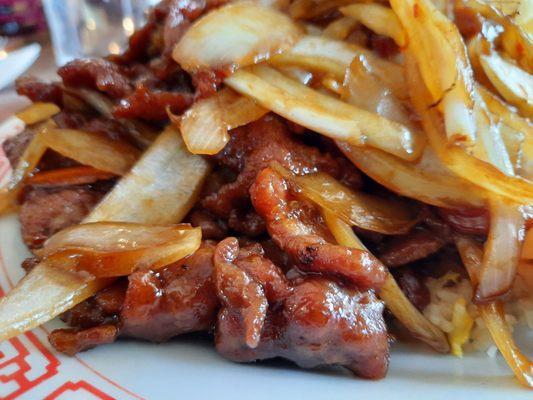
(45, 211)
(212, 228)
(149, 305)
(468, 21)
(96, 73)
(252, 148)
(297, 228)
(467, 221)
(405, 249)
(314, 322)
(152, 104)
(179, 299)
(413, 286)
(104, 307)
(72, 341)
(39, 91)
(14, 146)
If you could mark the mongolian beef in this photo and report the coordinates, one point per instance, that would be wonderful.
(303, 179)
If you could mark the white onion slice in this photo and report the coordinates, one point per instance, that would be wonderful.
(493, 315)
(324, 114)
(364, 88)
(427, 180)
(527, 250)
(455, 158)
(502, 250)
(112, 249)
(91, 149)
(377, 214)
(514, 129)
(160, 189)
(513, 83)
(235, 35)
(37, 112)
(204, 127)
(377, 18)
(441, 56)
(340, 28)
(342, 54)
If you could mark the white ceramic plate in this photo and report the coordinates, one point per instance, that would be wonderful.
(189, 368)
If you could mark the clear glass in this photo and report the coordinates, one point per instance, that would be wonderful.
(92, 28)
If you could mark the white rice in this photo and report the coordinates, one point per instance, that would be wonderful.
(446, 290)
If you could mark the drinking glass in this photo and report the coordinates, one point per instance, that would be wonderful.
(92, 28)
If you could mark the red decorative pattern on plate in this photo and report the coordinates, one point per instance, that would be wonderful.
(82, 390)
(18, 374)
(29, 368)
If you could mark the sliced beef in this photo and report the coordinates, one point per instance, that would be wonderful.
(207, 82)
(72, 341)
(413, 286)
(152, 104)
(45, 211)
(178, 300)
(102, 308)
(39, 91)
(246, 222)
(385, 46)
(296, 227)
(29, 263)
(99, 74)
(212, 228)
(469, 22)
(14, 146)
(315, 322)
(253, 148)
(467, 221)
(405, 249)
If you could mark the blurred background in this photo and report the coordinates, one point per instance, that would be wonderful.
(72, 28)
(36, 36)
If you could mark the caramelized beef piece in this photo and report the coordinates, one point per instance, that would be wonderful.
(252, 148)
(384, 46)
(84, 315)
(211, 228)
(104, 307)
(46, 211)
(296, 227)
(39, 91)
(179, 299)
(251, 260)
(152, 104)
(246, 223)
(99, 74)
(274, 253)
(29, 263)
(97, 124)
(404, 249)
(413, 287)
(15, 146)
(467, 221)
(242, 296)
(468, 21)
(319, 323)
(207, 82)
(72, 341)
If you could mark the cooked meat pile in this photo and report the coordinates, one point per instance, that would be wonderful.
(269, 280)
